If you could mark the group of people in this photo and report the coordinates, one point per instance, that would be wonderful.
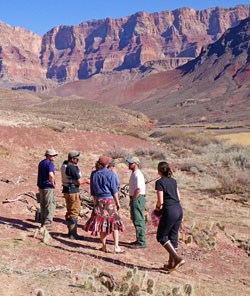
(104, 188)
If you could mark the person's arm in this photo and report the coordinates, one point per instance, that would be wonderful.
(178, 193)
(52, 179)
(159, 202)
(117, 202)
(74, 173)
(82, 181)
(136, 193)
(94, 200)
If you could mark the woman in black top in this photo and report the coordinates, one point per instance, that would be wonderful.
(168, 205)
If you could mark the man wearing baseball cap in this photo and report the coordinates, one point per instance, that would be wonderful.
(46, 185)
(71, 181)
(137, 190)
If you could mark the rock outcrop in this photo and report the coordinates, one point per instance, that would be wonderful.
(20, 54)
(228, 57)
(69, 53)
(213, 88)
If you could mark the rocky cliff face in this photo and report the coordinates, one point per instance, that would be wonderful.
(19, 54)
(68, 53)
(212, 88)
(227, 57)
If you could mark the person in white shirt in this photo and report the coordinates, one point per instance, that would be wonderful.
(137, 193)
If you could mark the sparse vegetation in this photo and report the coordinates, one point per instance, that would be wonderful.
(119, 153)
(201, 157)
(133, 283)
(211, 173)
(3, 151)
(151, 154)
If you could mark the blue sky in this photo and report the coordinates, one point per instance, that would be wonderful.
(39, 16)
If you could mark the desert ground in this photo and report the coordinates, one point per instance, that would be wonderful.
(214, 239)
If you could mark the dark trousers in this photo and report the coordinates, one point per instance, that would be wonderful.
(169, 225)
(137, 208)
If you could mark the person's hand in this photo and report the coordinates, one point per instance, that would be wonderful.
(95, 201)
(86, 181)
(155, 217)
(157, 212)
(118, 206)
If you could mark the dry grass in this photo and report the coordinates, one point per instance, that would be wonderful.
(238, 138)
(73, 112)
(204, 163)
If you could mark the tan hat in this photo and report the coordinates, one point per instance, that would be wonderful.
(105, 160)
(74, 154)
(51, 152)
(134, 159)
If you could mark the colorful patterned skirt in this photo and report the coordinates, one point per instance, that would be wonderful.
(104, 218)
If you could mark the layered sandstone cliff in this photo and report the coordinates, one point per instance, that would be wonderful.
(20, 54)
(213, 88)
(68, 53)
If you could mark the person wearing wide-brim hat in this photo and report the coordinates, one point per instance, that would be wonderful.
(46, 184)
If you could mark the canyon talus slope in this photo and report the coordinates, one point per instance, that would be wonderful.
(212, 88)
(68, 53)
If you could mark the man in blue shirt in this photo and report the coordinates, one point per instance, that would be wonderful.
(46, 184)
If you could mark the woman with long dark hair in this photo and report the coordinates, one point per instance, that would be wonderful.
(169, 207)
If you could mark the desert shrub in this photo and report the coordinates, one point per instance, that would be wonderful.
(229, 156)
(199, 181)
(174, 137)
(57, 128)
(232, 181)
(184, 180)
(188, 142)
(242, 161)
(131, 134)
(118, 153)
(192, 167)
(206, 164)
(3, 151)
(207, 183)
(233, 148)
(156, 134)
(205, 238)
(154, 154)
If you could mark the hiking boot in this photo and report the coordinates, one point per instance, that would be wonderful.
(73, 232)
(133, 243)
(138, 246)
